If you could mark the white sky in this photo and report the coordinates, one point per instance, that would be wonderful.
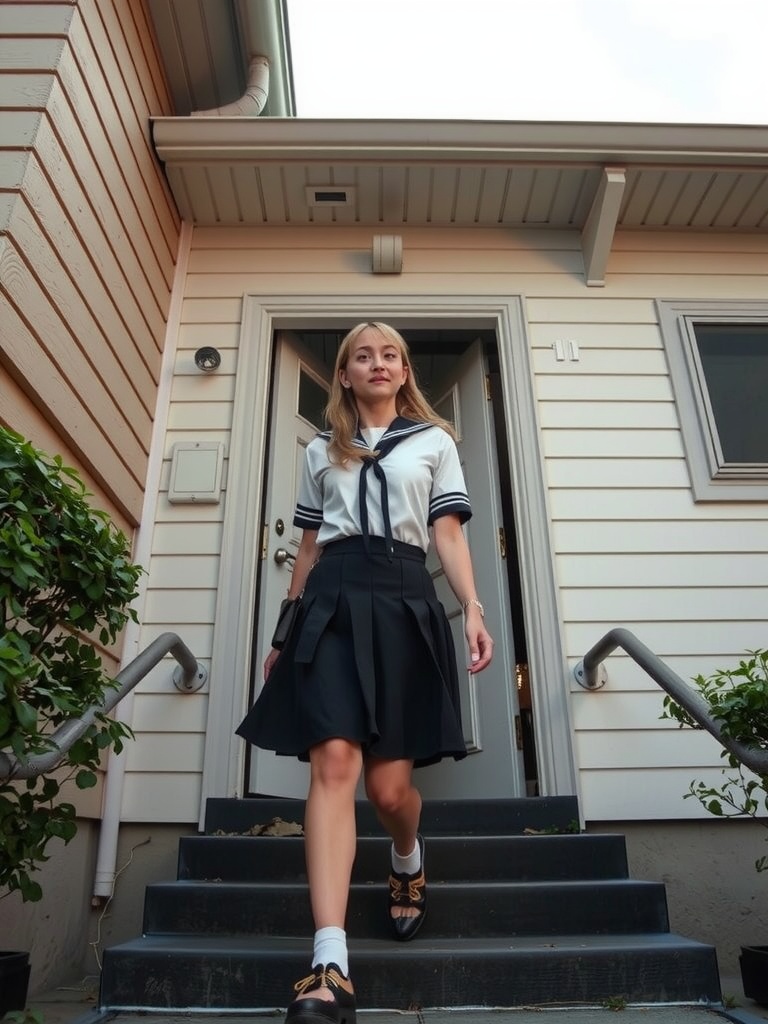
(540, 60)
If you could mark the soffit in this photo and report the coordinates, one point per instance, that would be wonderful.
(520, 174)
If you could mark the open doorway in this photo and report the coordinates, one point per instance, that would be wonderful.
(435, 352)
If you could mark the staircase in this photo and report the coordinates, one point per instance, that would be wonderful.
(513, 919)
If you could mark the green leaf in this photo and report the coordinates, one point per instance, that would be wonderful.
(85, 779)
(25, 714)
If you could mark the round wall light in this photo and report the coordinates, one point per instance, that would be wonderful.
(207, 359)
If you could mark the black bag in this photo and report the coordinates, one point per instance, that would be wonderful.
(286, 620)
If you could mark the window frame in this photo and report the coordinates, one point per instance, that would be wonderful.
(712, 479)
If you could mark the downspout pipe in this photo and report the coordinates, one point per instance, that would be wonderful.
(253, 100)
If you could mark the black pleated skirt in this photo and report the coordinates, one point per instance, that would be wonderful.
(371, 660)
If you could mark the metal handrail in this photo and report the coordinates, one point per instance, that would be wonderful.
(188, 677)
(588, 674)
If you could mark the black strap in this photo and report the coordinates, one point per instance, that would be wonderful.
(368, 462)
(397, 431)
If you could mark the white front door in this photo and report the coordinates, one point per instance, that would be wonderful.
(299, 395)
(494, 766)
(489, 703)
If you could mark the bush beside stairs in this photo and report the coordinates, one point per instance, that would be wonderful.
(520, 913)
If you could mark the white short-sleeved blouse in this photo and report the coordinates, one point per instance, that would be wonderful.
(423, 476)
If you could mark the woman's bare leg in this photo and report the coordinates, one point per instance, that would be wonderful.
(398, 807)
(329, 832)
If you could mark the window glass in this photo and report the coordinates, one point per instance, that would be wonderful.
(447, 408)
(717, 353)
(734, 360)
(313, 398)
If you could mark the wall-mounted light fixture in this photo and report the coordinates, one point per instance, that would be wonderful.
(207, 359)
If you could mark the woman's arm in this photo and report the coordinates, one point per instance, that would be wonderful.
(308, 554)
(452, 550)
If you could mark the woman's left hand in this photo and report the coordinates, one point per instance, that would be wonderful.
(479, 641)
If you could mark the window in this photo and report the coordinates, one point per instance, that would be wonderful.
(718, 360)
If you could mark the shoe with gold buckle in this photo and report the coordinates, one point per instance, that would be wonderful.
(408, 891)
(339, 1010)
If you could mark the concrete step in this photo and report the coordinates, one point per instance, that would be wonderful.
(438, 817)
(448, 858)
(455, 909)
(194, 973)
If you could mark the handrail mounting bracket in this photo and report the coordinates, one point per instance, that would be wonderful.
(594, 680)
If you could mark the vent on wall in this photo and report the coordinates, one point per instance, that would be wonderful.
(330, 195)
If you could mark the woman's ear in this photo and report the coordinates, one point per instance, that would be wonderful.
(343, 379)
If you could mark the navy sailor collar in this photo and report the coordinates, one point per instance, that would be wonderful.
(399, 429)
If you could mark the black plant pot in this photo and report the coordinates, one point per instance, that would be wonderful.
(754, 973)
(14, 979)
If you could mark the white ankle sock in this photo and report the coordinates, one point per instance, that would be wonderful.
(409, 864)
(331, 948)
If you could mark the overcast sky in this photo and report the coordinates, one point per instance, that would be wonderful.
(541, 60)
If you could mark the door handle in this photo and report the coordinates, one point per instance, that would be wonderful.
(281, 556)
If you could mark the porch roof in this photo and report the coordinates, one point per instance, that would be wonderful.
(591, 177)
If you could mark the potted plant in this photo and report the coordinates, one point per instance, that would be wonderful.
(66, 580)
(738, 701)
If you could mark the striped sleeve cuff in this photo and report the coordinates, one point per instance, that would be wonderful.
(308, 518)
(452, 503)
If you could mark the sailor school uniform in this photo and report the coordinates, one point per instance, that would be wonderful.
(371, 658)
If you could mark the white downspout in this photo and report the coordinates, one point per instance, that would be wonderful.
(106, 858)
(253, 100)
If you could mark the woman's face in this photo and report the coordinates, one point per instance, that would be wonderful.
(375, 370)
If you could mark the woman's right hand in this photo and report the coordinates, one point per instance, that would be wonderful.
(270, 662)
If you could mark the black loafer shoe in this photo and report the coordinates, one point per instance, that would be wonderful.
(408, 891)
(339, 1010)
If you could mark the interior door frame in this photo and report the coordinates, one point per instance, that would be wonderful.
(263, 316)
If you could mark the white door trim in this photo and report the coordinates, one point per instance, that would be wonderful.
(223, 768)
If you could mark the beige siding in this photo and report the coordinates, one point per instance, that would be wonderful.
(630, 546)
(89, 237)
(88, 244)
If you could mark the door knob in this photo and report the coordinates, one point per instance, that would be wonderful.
(282, 556)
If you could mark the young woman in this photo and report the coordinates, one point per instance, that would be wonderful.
(367, 681)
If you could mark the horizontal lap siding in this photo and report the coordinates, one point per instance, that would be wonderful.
(88, 243)
(163, 772)
(90, 237)
(630, 546)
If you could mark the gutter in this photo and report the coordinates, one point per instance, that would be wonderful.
(559, 143)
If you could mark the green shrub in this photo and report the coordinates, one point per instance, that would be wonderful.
(738, 701)
(65, 577)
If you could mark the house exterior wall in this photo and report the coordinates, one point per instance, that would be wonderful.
(631, 547)
(88, 238)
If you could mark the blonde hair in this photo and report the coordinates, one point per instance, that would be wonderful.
(341, 412)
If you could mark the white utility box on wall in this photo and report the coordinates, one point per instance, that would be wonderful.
(196, 471)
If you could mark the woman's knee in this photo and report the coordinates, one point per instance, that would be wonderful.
(388, 795)
(336, 763)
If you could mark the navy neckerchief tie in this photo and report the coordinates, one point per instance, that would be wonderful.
(397, 431)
